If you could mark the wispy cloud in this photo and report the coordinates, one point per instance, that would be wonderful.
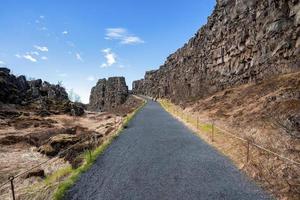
(132, 40)
(42, 17)
(40, 48)
(30, 58)
(110, 58)
(2, 63)
(65, 32)
(122, 35)
(115, 33)
(78, 57)
(91, 78)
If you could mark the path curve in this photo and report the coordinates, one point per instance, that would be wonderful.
(158, 158)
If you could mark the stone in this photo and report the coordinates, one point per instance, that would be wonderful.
(57, 143)
(77, 109)
(40, 96)
(5, 70)
(36, 173)
(243, 41)
(48, 150)
(108, 94)
(292, 125)
(12, 139)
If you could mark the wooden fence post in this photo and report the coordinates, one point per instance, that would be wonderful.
(11, 179)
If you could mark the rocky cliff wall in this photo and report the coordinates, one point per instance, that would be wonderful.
(108, 94)
(243, 41)
(36, 95)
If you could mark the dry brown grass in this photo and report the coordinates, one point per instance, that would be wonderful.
(243, 112)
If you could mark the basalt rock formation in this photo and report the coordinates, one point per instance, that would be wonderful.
(108, 94)
(36, 95)
(243, 41)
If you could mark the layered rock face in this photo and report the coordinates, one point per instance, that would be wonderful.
(243, 41)
(108, 94)
(35, 94)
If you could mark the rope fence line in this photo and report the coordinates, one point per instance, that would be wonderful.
(12, 178)
(223, 131)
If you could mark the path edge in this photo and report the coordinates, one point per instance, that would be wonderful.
(64, 186)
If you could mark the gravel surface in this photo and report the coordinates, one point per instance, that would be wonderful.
(157, 157)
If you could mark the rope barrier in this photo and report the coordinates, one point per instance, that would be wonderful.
(92, 138)
(245, 140)
(46, 161)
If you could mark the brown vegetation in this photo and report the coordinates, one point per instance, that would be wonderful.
(266, 113)
(27, 139)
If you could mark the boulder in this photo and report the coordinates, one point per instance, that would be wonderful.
(35, 173)
(58, 143)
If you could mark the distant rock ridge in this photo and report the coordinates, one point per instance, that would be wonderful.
(108, 94)
(243, 41)
(36, 95)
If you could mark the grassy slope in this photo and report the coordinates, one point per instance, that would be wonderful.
(247, 111)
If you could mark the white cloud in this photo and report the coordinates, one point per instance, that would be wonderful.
(91, 78)
(44, 49)
(122, 35)
(78, 57)
(110, 58)
(2, 63)
(18, 56)
(44, 58)
(30, 58)
(65, 32)
(132, 40)
(42, 17)
(115, 33)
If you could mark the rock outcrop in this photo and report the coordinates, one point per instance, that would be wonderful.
(243, 41)
(36, 95)
(108, 94)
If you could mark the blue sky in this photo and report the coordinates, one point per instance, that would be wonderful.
(78, 42)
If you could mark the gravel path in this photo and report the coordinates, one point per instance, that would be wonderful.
(158, 158)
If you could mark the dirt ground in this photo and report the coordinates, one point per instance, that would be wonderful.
(27, 139)
(18, 155)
